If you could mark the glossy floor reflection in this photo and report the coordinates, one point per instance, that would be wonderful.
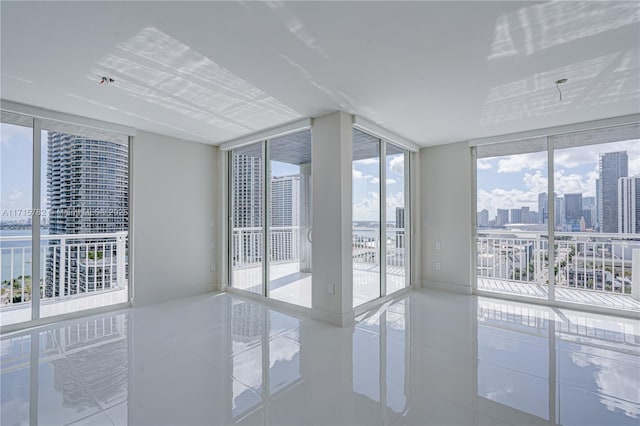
(427, 358)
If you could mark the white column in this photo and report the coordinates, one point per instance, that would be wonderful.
(332, 219)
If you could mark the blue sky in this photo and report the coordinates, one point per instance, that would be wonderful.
(515, 181)
(366, 188)
(16, 147)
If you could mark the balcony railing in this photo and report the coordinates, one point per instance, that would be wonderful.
(71, 265)
(366, 246)
(589, 261)
(285, 241)
(247, 245)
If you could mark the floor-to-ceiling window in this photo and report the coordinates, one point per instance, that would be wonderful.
(289, 218)
(270, 212)
(65, 218)
(512, 213)
(380, 217)
(597, 177)
(16, 143)
(247, 217)
(366, 217)
(590, 207)
(397, 219)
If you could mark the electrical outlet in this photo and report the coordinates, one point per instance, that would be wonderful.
(438, 245)
(212, 266)
(438, 266)
(331, 288)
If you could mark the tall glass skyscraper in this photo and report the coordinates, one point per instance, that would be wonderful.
(88, 193)
(612, 166)
(629, 205)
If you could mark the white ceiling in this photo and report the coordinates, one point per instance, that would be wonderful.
(433, 72)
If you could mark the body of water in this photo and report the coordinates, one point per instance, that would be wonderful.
(22, 253)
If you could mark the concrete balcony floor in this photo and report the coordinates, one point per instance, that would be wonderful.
(13, 314)
(600, 299)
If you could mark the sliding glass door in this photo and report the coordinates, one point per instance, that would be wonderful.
(289, 218)
(247, 218)
(397, 218)
(558, 217)
(380, 218)
(271, 218)
(65, 218)
(366, 218)
(16, 143)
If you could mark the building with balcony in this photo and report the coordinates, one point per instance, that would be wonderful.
(87, 193)
(308, 193)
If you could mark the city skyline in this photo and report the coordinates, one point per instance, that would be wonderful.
(514, 181)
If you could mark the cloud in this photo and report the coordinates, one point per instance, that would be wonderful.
(536, 183)
(368, 208)
(396, 165)
(359, 174)
(483, 165)
(520, 162)
(570, 158)
(10, 133)
(389, 181)
(14, 196)
(367, 161)
(393, 201)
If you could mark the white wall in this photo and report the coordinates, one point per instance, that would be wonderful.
(175, 218)
(446, 216)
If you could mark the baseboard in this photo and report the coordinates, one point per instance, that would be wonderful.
(195, 290)
(450, 287)
(339, 320)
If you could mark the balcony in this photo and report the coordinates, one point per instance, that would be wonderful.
(78, 271)
(288, 264)
(590, 268)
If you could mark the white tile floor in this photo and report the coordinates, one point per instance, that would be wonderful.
(429, 358)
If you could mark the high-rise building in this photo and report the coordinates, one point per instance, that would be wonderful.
(612, 166)
(524, 215)
(248, 183)
(572, 208)
(482, 218)
(400, 232)
(88, 193)
(598, 215)
(588, 218)
(629, 205)
(559, 210)
(285, 200)
(516, 216)
(400, 217)
(502, 217)
(285, 216)
(589, 205)
(543, 207)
